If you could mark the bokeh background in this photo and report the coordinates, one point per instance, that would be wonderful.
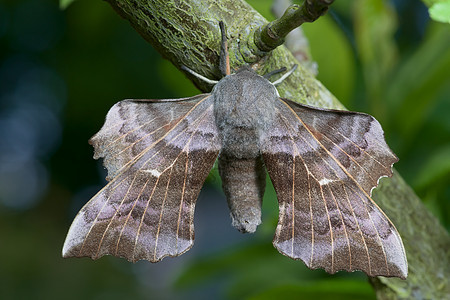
(60, 72)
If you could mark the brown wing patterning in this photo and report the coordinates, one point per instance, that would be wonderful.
(158, 155)
(324, 165)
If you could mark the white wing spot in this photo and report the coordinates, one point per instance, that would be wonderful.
(155, 173)
(325, 181)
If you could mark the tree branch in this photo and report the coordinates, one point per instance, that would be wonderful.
(272, 35)
(187, 33)
(295, 41)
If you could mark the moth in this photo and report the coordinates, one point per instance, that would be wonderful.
(323, 164)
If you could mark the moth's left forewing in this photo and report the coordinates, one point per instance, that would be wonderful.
(133, 126)
(159, 162)
(324, 164)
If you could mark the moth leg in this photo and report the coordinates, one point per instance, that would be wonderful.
(270, 74)
(183, 67)
(285, 75)
(224, 57)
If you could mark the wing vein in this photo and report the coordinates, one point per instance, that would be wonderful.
(129, 214)
(345, 228)
(293, 208)
(376, 230)
(360, 231)
(312, 218)
(182, 197)
(160, 139)
(107, 146)
(363, 150)
(331, 229)
(349, 156)
(115, 213)
(297, 153)
(143, 215)
(162, 208)
(171, 166)
(99, 212)
(135, 159)
(337, 162)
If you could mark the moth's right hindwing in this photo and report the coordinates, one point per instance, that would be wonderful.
(323, 165)
(158, 154)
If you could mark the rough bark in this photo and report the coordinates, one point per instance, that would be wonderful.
(187, 33)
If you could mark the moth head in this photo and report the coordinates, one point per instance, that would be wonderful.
(245, 71)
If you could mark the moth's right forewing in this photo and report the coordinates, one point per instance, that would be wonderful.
(146, 211)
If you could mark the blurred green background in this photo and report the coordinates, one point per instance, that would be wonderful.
(60, 72)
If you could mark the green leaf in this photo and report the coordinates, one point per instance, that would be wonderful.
(336, 71)
(257, 269)
(323, 289)
(171, 77)
(63, 4)
(413, 91)
(430, 3)
(440, 11)
(375, 25)
(235, 260)
(263, 7)
(436, 167)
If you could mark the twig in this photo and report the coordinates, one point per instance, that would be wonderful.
(296, 40)
(272, 35)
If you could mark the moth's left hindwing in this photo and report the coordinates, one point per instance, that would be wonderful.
(158, 154)
(323, 165)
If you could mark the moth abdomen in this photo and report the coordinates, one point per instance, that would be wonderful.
(243, 182)
(243, 109)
